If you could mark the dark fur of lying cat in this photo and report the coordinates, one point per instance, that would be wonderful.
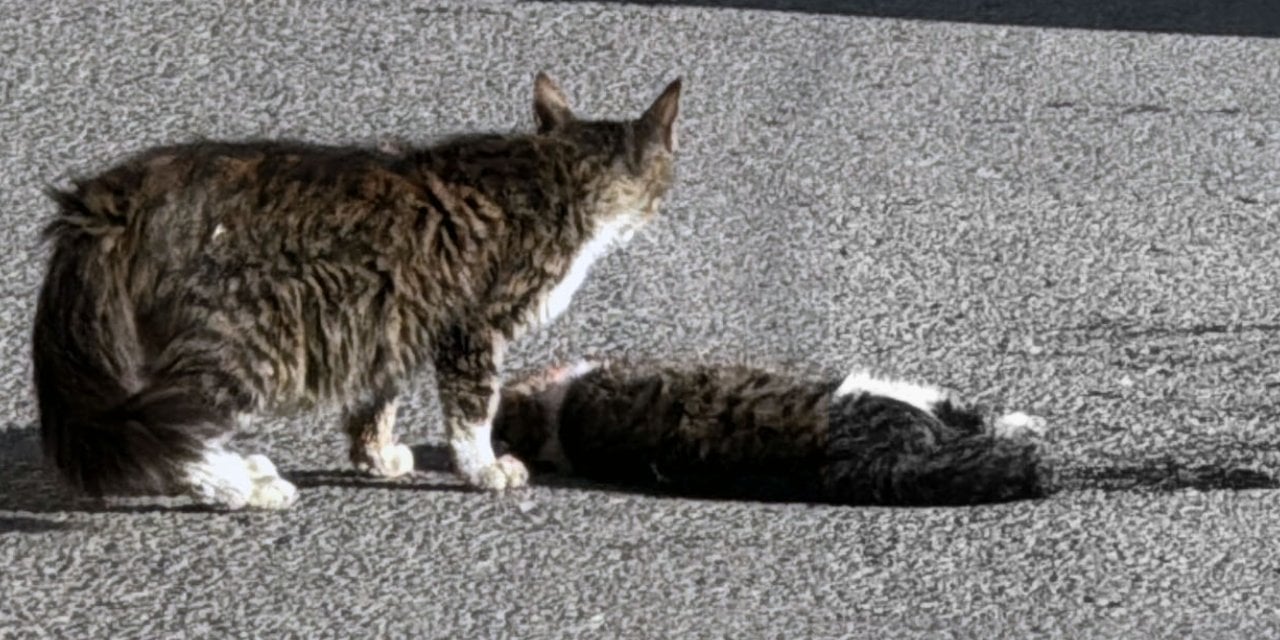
(192, 286)
(742, 432)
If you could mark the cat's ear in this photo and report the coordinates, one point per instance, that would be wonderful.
(550, 107)
(658, 124)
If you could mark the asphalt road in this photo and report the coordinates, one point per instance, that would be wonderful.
(1077, 222)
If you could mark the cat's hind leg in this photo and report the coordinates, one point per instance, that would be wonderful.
(374, 449)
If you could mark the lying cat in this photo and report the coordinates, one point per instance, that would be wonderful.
(195, 285)
(744, 432)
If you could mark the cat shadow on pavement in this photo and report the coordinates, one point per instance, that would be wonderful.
(349, 478)
(25, 486)
(1163, 475)
(1156, 476)
(434, 458)
(25, 483)
(26, 524)
(29, 487)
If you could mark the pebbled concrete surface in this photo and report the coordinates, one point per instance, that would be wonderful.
(1077, 223)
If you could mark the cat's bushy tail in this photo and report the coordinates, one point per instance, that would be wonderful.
(973, 469)
(905, 447)
(103, 425)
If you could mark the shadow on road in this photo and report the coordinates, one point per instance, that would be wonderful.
(435, 458)
(1156, 476)
(346, 478)
(1257, 18)
(24, 524)
(25, 485)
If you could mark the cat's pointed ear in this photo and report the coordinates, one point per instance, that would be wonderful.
(658, 124)
(550, 106)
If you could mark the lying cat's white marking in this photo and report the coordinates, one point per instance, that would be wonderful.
(579, 369)
(920, 396)
(551, 451)
(1018, 424)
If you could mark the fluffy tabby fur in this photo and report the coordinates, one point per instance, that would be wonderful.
(194, 285)
(744, 432)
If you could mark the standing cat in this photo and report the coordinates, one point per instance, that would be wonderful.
(744, 432)
(195, 285)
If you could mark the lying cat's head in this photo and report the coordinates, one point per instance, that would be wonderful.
(628, 164)
(528, 417)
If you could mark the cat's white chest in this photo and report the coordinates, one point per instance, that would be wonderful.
(554, 303)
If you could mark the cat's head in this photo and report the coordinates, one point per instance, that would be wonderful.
(629, 165)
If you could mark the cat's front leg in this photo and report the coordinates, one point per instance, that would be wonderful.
(467, 371)
(371, 430)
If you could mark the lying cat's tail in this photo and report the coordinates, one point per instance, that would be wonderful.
(893, 442)
(975, 469)
(103, 426)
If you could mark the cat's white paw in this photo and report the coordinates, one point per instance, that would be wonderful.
(273, 492)
(506, 472)
(392, 461)
(1020, 425)
(219, 478)
(221, 496)
(260, 466)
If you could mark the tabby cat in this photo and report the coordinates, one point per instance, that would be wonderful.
(735, 431)
(193, 286)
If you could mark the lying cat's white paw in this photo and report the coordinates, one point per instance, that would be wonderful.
(1020, 425)
(273, 492)
(392, 461)
(506, 472)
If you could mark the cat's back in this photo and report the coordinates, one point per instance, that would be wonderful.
(214, 164)
(186, 184)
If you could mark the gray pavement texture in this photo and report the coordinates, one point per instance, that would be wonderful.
(1079, 223)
